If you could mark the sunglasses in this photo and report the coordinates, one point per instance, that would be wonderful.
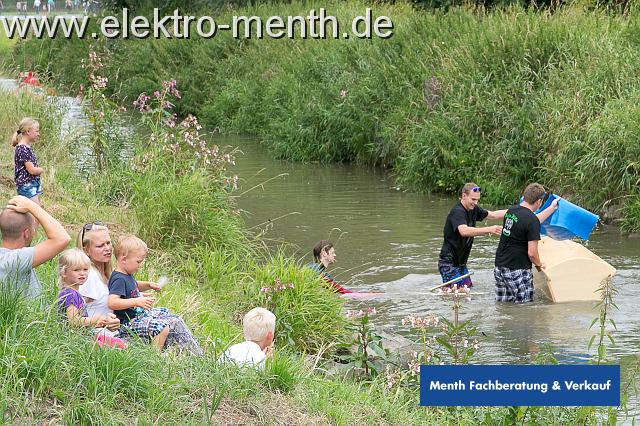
(89, 227)
(476, 189)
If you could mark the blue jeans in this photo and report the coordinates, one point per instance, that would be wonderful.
(449, 271)
(31, 189)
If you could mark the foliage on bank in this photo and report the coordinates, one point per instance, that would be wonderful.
(501, 98)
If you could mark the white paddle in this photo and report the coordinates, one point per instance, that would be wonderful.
(461, 277)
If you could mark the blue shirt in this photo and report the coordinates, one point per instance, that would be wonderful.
(126, 287)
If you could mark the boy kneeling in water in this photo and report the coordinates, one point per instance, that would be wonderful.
(324, 254)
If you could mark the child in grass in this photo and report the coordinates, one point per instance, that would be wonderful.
(259, 326)
(26, 170)
(73, 271)
(135, 310)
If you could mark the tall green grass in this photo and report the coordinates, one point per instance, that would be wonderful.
(502, 98)
(49, 372)
(6, 45)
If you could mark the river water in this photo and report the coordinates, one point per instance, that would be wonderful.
(388, 240)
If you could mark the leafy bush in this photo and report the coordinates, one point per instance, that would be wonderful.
(307, 313)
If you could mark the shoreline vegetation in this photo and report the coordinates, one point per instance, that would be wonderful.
(181, 205)
(501, 97)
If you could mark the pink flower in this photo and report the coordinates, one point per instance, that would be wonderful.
(372, 310)
(343, 93)
(156, 94)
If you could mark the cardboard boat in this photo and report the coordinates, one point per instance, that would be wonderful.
(573, 272)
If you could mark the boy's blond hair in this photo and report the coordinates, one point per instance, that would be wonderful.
(257, 323)
(71, 258)
(128, 243)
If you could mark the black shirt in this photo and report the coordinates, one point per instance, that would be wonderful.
(519, 227)
(126, 287)
(455, 248)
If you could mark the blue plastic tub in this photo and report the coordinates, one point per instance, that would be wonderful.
(568, 221)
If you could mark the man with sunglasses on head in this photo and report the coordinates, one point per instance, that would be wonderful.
(518, 247)
(18, 224)
(459, 231)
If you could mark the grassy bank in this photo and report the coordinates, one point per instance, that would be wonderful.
(503, 98)
(52, 373)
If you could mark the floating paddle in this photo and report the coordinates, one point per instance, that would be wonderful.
(461, 277)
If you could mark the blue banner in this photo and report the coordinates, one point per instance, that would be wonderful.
(573, 385)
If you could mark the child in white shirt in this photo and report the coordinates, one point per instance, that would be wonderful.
(259, 326)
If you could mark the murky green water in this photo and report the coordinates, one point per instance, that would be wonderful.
(388, 240)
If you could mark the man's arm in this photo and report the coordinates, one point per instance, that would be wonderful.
(497, 214)
(469, 231)
(532, 251)
(57, 237)
(544, 214)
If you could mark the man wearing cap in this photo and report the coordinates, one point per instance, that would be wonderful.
(459, 231)
(518, 247)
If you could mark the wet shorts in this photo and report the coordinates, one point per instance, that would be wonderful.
(449, 271)
(31, 189)
(513, 285)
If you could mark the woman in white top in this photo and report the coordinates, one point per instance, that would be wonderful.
(95, 241)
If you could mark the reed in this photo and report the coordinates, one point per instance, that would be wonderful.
(502, 97)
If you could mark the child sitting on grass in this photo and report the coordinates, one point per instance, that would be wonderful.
(135, 310)
(259, 325)
(73, 271)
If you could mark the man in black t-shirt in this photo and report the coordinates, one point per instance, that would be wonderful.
(518, 247)
(459, 230)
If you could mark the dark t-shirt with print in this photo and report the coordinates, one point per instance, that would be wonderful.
(24, 154)
(455, 248)
(126, 287)
(519, 227)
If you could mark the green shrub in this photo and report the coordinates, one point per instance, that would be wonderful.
(308, 315)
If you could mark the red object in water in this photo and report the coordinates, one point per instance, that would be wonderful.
(29, 79)
(337, 287)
